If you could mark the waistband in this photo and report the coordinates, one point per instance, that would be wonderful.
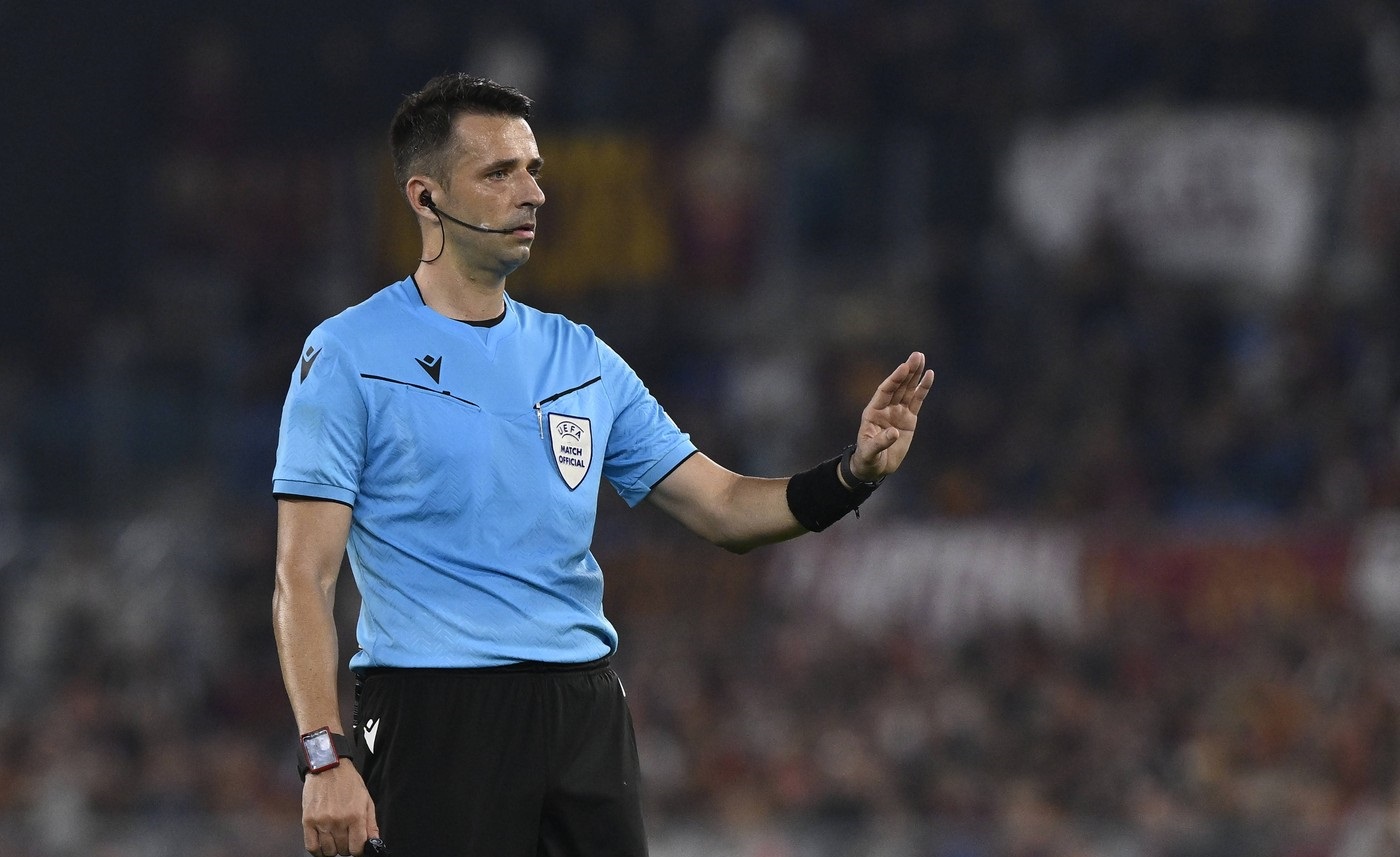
(518, 667)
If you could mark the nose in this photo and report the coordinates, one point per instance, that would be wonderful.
(533, 195)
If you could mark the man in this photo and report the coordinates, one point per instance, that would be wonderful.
(454, 441)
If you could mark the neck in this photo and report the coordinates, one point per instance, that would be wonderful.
(458, 296)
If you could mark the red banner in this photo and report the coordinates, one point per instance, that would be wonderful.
(1222, 581)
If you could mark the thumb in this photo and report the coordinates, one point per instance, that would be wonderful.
(868, 449)
(885, 439)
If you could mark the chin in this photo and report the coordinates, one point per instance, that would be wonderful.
(511, 264)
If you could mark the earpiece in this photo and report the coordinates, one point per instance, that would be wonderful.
(426, 199)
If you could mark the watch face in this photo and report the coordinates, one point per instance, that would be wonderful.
(320, 752)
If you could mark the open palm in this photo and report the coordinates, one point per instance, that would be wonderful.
(888, 421)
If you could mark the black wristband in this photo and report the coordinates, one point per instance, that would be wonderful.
(818, 499)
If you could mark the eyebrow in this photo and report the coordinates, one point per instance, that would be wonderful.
(507, 163)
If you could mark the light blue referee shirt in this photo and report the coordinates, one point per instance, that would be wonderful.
(471, 458)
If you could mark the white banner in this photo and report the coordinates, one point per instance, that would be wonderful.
(943, 580)
(1375, 570)
(1219, 195)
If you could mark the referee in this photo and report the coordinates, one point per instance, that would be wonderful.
(453, 441)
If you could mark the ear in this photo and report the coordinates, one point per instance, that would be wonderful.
(418, 189)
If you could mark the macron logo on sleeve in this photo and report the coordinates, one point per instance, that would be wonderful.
(308, 359)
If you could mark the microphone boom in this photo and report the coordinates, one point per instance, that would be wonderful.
(440, 213)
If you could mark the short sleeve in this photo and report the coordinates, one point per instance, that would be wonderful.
(322, 441)
(645, 445)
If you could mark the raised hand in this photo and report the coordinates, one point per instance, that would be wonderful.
(887, 423)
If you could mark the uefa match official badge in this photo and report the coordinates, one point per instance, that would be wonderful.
(571, 439)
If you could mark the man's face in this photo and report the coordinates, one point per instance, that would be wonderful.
(494, 183)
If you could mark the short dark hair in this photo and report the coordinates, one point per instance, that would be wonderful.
(422, 126)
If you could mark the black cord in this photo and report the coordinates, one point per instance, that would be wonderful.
(442, 230)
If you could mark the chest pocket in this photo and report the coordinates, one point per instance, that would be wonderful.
(416, 432)
(571, 424)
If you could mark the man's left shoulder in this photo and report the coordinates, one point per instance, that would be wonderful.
(554, 325)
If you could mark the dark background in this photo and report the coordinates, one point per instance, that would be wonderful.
(190, 188)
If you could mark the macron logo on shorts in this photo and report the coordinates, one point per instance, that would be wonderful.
(371, 730)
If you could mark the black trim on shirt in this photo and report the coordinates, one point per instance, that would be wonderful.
(488, 322)
(561, 394)
(285, 495)
(484, 322)
(672, 470)
(419, 387)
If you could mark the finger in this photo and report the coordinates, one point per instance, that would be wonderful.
(326, 846)
(342, 841)
(921, 391)
(915, 367)
(915, 363)
(890, 389)
(357, 835)
(915, 374)
(364, 828)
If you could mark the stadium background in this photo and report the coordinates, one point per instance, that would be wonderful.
(1136, 591)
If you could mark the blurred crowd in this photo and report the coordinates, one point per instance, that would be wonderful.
(1132, 740)
(826, 174)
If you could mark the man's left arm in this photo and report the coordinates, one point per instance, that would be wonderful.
(740, 512)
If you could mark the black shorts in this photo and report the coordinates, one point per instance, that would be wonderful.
(527, 761)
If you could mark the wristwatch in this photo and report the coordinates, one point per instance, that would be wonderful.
(320, 750)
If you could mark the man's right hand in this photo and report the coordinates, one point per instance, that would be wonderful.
(337, 814)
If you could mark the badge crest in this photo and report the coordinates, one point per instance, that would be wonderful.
(571, 441)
